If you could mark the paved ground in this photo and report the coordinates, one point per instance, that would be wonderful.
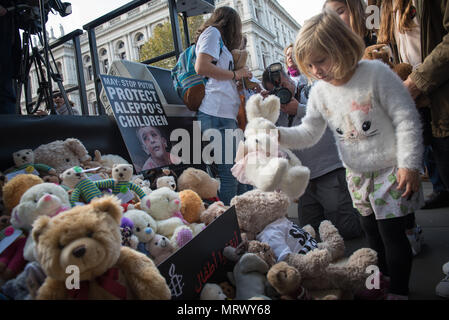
(426, 271)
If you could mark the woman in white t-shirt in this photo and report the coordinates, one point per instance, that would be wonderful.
(216, 38)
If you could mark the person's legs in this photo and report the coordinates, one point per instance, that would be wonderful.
(440, 147)
(228, 183)
(309, 209)
(373, 236)
(333, 195)
(398, 253)
(440, 196)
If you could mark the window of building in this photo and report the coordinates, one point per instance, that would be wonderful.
(121, 52)
(88, 71)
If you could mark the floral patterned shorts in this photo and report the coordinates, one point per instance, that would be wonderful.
(376, 192)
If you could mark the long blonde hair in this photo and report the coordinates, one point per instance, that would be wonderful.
(327, 34)
(388, 15)
(357, 15)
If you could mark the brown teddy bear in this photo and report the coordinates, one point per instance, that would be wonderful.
(62, 155)
(88, 237)
(191, 205)
(16, 187)
(200, 182)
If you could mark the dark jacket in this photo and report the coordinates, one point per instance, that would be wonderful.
(432, 77)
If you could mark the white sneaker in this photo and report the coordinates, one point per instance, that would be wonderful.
(442, 288)
(446, 268)
(416, 240)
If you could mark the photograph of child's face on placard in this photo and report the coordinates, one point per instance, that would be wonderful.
(155, 148)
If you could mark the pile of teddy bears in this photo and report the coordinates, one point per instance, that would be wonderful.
(63, 208)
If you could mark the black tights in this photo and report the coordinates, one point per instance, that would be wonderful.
(388, 238)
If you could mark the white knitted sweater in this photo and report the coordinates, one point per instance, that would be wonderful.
(373, 118)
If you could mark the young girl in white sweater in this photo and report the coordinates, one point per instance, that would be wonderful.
(378, 134)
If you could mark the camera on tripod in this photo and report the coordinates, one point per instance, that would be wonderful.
(274, 74)
(28, 17)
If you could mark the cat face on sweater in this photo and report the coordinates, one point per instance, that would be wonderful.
(358, 123)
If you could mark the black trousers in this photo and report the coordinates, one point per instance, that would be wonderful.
(388, 238)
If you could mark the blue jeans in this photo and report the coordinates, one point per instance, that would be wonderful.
(434, 176)
(229, 186)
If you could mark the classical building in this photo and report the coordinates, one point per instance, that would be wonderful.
(266, 24)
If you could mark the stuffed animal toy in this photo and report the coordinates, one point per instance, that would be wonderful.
(126, 230)
(62, 155)
(166, 181)
(249, 274)
(84, 189)
(287, 281)
(104, 169)
(89, 237)
(24, 160)
(107, 161)
(212, 291)
(260, 160)
(191, 206)
(144, 228)
(4, 221)
(200, 182)
(120, 182)
(2, 183)
(164, 206)
(240, 56)
(26, 284)
(41, 199)
(154, 174)
(144, 184)
(160, 248)
(263, 215)
(46, 199)
(16, 187)
(263, 250)
(214, 210)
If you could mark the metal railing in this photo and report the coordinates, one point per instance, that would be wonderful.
(90, 29)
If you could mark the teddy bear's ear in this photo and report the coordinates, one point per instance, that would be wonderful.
(109, 204)
(39, 227)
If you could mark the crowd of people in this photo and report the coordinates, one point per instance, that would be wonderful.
(353, 122)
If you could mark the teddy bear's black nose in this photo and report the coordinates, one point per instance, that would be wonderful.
(4, 220)
(121, 175)
(79, 251)
(24, 157)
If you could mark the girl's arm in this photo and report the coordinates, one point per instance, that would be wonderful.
(309, 132)
(396, 100)
(205, 67)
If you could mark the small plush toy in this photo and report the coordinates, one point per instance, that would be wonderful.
(164, 206)
(214, 210)
(144, 184)
(166, 181)
(120, 182)
(144, 228)
(200, 182)
(62, 155)
(154, 174)
(109, 160)
(383, 53)
(287, 281)
(97, 162)
(260, 160)
(41, 199)
(24, 160)
(126, 230)
(191, 206)
(263, 250)
(46, 199)
(88, 237)
(240, 56)
(248, 276)
(16, 187)
(212, 291)
(83, 188)
(160, 248)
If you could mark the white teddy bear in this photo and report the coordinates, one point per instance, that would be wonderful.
(164, 206)
(144, 228)
(43, 199)
(260, 160)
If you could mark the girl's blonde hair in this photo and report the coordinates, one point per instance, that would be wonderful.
(388, 16)
(357, 15)
(327, 34)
